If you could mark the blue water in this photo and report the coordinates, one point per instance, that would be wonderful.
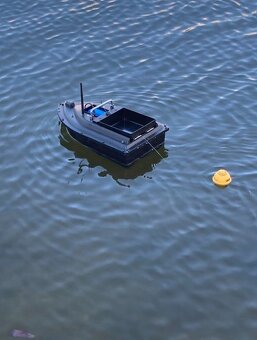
(90, 250)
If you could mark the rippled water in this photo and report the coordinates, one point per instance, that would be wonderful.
(90, 250)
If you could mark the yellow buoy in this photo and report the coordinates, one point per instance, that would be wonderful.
(222, 178)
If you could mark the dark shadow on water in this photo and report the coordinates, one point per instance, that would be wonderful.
(117, 172)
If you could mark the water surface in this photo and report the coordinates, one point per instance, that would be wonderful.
(90, 250)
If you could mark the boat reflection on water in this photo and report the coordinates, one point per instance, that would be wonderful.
(116, 171)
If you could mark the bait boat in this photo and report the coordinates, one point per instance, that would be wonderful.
(113, 131)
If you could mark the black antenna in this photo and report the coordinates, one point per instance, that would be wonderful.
(82, 100)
